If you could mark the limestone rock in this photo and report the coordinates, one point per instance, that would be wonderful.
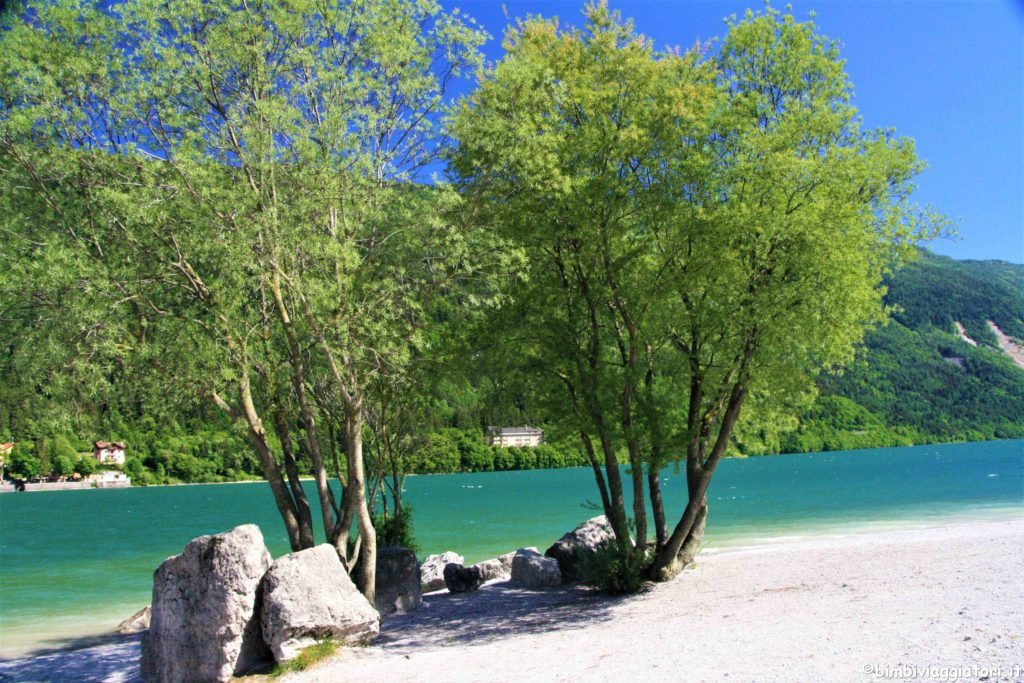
(498, 569)
(136, 623)
(398, 581)
(307, 597)
(530, 569)
(432, 570)
(461, 579)
(584, 539)
(204, 625)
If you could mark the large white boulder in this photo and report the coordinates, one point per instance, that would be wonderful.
(530, 569)
(398, 581)
(204, 625)
(308, 597)
(432, 570)
(570, 549)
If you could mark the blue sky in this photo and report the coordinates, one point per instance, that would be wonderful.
(949, 73)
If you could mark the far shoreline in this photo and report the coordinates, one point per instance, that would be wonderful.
(735, 456)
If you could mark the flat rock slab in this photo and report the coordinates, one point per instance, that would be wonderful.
(308, 597)
(204, 625)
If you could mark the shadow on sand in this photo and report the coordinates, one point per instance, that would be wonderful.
(97, 658)
(495, 611)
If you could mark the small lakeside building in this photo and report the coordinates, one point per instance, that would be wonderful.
(109, 452)
(515, 437)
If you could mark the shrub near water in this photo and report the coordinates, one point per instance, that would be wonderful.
(396, 531)
(614, 569)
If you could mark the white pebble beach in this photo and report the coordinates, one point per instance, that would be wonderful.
(942, 603)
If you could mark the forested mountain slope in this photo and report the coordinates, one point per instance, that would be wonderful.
(918, 379)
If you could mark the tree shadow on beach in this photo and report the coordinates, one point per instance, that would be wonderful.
(96, 658)
(495, 611)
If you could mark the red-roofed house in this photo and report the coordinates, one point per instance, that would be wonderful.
(109, 452)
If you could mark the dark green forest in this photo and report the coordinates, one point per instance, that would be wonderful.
(914, 382)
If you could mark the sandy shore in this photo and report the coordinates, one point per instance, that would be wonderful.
(937, 604)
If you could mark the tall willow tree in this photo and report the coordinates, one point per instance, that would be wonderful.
(226, 184)
(700, 228)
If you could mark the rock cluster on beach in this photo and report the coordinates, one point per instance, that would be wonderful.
(136, 623)
(221, 608)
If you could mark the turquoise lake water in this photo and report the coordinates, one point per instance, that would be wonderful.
(75, 563)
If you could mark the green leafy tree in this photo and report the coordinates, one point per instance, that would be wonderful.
(61, 447)
(224, 191)
(24, 462)
(86, 465)
(64, 465)
(702, 228)
(439, 454)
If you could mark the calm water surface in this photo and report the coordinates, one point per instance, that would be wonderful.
(74, 563)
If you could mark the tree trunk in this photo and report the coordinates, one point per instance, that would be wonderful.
(327, 503)
(618, 505)
(668, 570)
(258, 436)
(367, 578)
(698, 479)
(696, 537)
(588, 449)
(291, 468)
(639, 508)
(658, 506)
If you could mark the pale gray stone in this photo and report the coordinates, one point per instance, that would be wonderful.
(308, 597)
(136, 623)
(432, 570)
(530, 569)
(204, 625)
(398, 581)
(573, 546)
(497, 569)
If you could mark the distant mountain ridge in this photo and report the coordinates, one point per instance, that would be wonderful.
(919, 379)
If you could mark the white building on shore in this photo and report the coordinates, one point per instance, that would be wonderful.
(515, 437)
(109, 452)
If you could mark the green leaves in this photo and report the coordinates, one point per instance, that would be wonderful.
(728, 208)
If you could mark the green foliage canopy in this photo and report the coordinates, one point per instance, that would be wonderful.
(703, 226)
